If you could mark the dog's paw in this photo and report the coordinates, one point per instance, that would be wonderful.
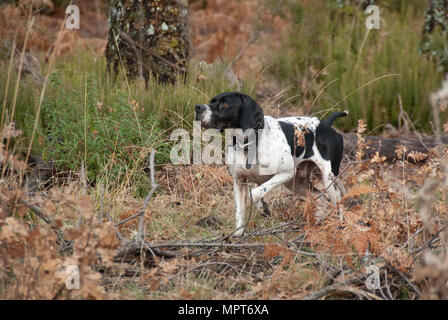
(238, 233)
(256, 195)
(266, 211)
(263, 209)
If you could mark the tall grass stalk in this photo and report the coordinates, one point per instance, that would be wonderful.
(16, 89)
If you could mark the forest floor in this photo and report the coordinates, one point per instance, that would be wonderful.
(395, 213)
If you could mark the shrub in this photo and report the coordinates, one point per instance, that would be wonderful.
(79, 127)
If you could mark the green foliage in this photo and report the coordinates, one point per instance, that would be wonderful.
(334, 62)
(281, 8)
(77, 126)
(111, 125)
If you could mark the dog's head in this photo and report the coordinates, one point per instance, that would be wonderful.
(230, 110)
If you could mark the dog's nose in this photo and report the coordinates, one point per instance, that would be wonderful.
(199, 108)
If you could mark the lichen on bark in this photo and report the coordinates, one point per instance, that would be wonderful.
(149, 37)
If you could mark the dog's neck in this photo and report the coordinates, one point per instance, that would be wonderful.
(237, 138)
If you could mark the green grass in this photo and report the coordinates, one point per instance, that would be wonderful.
(111, 125)
(365, 72)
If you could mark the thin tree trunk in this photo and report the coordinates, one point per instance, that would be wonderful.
(148, 37)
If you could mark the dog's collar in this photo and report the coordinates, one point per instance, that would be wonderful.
(242, 146)
(245, 144)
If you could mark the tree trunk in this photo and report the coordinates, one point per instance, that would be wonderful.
(148, 37)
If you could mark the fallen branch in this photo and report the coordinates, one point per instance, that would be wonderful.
(136, 247)
(333, 287)
(409, 283)
(39, 212)
(359, 292)
(435, 238)
(386, 146)
(66, 245)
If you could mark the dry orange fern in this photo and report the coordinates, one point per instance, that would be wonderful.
(359, 190)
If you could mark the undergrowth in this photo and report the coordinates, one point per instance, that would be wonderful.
(108, 126)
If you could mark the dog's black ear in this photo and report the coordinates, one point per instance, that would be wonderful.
(251, 116)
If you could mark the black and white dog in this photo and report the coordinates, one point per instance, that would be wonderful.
(287, 149)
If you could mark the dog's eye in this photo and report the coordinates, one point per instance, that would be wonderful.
(225, 105)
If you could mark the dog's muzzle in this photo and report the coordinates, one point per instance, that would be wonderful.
(202, 114)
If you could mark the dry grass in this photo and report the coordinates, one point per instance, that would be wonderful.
(392, 220)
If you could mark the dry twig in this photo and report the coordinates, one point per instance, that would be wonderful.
(140, 214)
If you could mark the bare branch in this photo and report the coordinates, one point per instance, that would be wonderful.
(333, 287)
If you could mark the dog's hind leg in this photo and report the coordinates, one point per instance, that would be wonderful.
(330, 184)
(328, 179)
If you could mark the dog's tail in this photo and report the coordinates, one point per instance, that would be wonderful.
(329, 121)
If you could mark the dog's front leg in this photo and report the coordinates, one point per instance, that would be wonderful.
(240, 190)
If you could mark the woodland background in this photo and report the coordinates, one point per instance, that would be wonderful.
(78, 186)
